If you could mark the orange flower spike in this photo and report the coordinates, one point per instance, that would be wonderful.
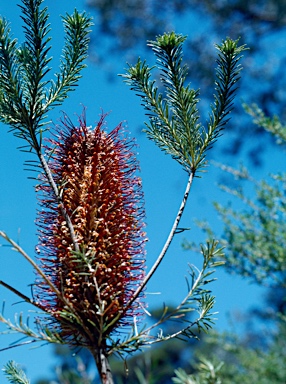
(96, 174)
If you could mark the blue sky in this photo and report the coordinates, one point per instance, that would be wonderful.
(163, 182)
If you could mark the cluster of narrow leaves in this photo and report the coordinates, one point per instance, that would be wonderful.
(15, 374)
(198, 303)
(173, 115)
(26, 95)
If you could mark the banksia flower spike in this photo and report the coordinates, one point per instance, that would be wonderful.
(96, 175)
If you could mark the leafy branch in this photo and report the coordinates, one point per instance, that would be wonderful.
(20, 326)
(25, 97)
(198, 299)
(68, 314)
(74, 53)
(15, 374)
(173, 115)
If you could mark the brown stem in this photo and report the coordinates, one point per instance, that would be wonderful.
(20, 294)
(102, 366)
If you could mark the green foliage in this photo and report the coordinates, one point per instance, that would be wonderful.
(22, 326)
(208, 374)
(254, 237)
(127, 24)
(74, 53)
(199, 302)
(245, 362)
(255, 242)
(173, 116)
(25, 94)
(272, 125)
(14, 374)
(154, 366)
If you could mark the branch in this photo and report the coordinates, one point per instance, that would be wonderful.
(17, 248)
(167, 244)
(24, 98)
(69, 313)
(20, 327)
(76, 27)
(59, 198)
(103, 366)
(14, 374)
(21, 295)
(197, 299)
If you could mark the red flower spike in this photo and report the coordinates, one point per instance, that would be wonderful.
(96, 176)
